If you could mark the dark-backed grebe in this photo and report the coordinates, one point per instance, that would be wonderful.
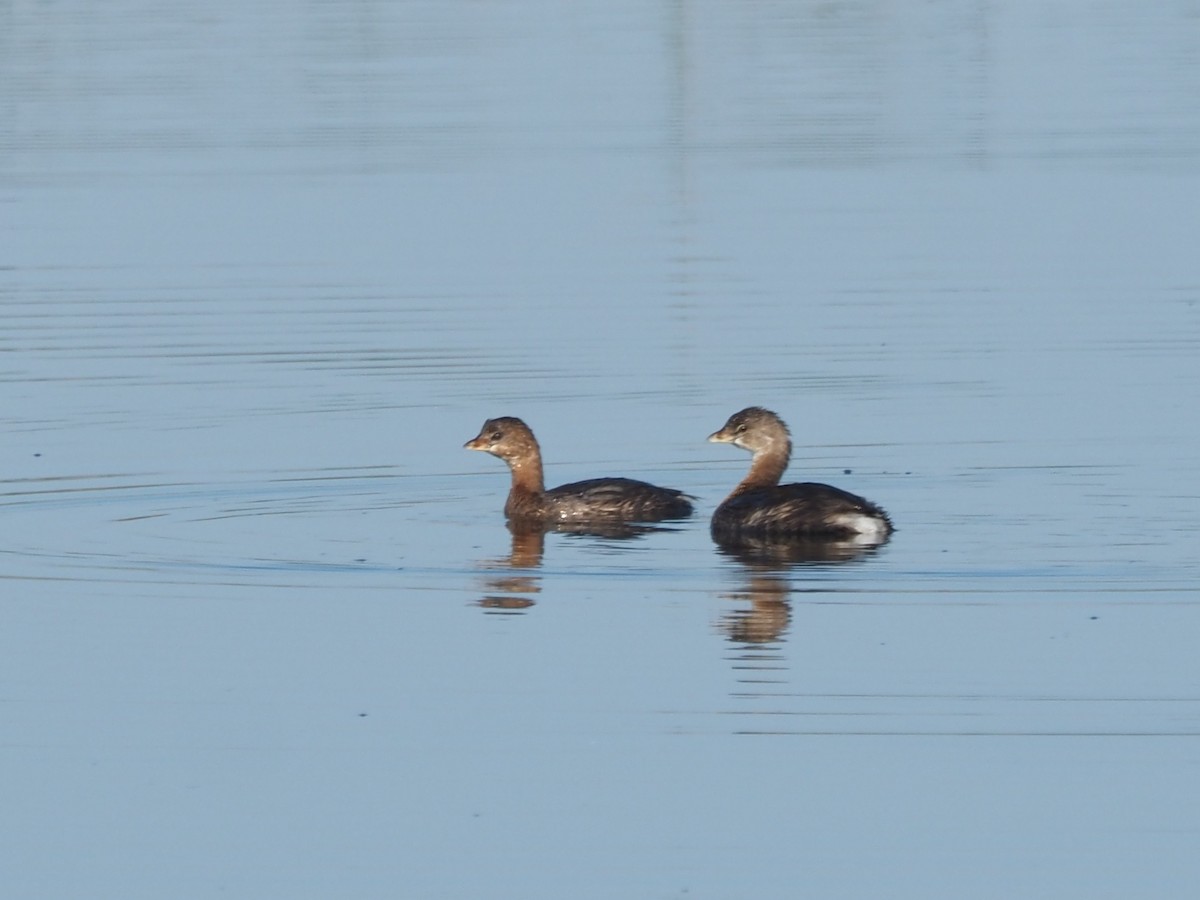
(596, 499)
(761, 506)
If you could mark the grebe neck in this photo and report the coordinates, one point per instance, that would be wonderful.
(766, 468)
(528, 483)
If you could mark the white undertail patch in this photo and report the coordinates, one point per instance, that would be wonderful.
(870, 527)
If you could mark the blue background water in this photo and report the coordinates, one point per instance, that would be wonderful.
(265, 267)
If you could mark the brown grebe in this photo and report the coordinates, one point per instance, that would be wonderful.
(761, 506)
(597, 499)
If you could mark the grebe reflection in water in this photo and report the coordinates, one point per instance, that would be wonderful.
(513, 581)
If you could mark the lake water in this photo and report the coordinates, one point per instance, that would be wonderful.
(265, 267)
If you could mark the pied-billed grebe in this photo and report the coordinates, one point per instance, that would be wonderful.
(760, 505)
(596, 499)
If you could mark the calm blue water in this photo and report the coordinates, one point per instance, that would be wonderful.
(264, 268)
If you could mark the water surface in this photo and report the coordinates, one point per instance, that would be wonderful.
(263, 269)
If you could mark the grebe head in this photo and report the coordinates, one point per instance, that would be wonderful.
(754, 429)
(506, 437)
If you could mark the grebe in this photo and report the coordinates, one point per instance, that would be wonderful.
(761, 506)
(597, 499)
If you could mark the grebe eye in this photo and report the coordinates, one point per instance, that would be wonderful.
(740, 428)
(496, 435)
